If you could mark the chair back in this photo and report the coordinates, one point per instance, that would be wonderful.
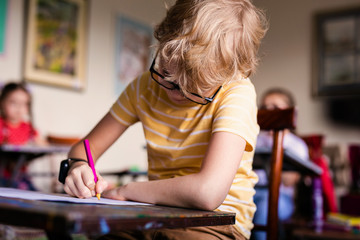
(277, 121)
(63, 140)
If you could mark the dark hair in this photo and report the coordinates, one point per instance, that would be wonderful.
(289, 98)
(10, 88)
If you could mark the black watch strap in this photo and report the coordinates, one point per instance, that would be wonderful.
(64, 168)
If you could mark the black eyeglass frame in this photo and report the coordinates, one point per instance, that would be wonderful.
(177, 87)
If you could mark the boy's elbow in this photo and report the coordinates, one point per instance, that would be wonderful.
(209, 205)
(209, 199)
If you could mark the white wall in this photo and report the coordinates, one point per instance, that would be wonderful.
(287, 63)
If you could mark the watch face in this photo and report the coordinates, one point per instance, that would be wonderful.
(64, 168)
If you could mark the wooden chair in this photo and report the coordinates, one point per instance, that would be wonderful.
(277, 121)
(62, 140)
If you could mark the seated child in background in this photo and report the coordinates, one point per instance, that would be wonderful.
(16, 128)
(281, 99)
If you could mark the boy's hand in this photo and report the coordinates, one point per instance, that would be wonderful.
(114, 193)
(80, 181)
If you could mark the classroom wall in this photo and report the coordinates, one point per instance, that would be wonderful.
(286, 62)
(69, 113)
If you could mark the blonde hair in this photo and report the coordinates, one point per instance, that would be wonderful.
(210, 41)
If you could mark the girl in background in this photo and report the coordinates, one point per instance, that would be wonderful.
(16, 128)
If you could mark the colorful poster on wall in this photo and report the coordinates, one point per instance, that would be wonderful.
(3, 11)
(55, 49)
(132, 51)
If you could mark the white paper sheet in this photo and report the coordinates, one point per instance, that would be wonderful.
(32, 195)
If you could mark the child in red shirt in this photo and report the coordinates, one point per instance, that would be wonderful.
(16, 128)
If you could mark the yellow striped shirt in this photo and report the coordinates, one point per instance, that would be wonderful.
(177, 136)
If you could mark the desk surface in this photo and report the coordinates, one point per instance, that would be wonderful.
(291, 162)
(68, 218)
(33, 149)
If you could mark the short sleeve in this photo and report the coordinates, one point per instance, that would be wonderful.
(237, 112)
(124, 109)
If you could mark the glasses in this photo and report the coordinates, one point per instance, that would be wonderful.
(196, 98)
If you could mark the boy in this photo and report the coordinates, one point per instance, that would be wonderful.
(198, 111)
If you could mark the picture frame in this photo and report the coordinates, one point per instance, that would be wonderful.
(133, 40)
(337, 53)
(3, 24)
(55, 43)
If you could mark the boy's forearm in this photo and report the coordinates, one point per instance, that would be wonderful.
(77, 151)
(187, 191)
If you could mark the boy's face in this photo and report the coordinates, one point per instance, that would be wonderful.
(160, 72)
(175, 95)
(16, 106)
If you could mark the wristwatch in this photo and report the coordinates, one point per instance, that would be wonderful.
(64, 168)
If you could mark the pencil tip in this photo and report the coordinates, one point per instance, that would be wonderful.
(98, 196)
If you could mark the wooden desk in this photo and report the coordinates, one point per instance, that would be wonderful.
(291, 162)
(22, 153)
(60, 219)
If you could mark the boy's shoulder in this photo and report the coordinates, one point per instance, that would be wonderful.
(241, 85)
(141, 81)
(137, 85)
(241, 81)
(144, 77)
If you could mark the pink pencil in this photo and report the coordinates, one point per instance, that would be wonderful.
(91, 162)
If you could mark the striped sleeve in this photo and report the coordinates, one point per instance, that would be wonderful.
(124, 109)
(237, 113)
